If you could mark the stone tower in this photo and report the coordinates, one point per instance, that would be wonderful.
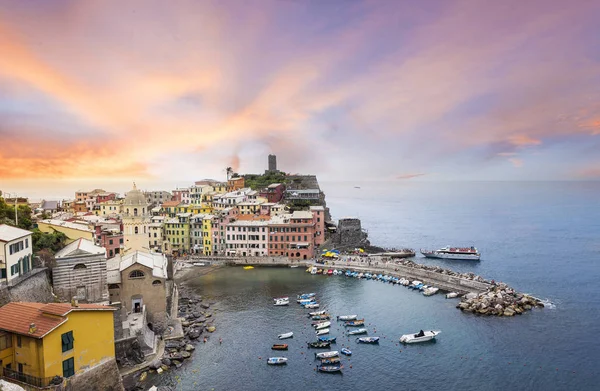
(136, 220)
(272, 163)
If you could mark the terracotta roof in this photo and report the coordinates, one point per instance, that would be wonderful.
(167, 204)
(63, 309)
(16, 317)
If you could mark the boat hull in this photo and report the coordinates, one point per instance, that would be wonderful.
(458, 257)
(286, 335)
(413, 338)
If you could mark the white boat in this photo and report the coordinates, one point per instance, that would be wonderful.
(293, 266)
(333, 353)
(451, 295)
(313, 270)
(277, 360)
(347, 317)
(317, 313)
(199, 264)
(280, 298)
(286, 335)
(421, 336)
(430, 291)
(335, 272)
(305, 301)
(322, 332)
(312, 306)
(282, 302)
(461, 253)
(322, 325)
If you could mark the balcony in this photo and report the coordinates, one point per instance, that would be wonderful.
(18, 377)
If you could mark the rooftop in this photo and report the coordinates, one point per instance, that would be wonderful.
(17, 317)
(79, 247)
(8, 233)
(66, 224)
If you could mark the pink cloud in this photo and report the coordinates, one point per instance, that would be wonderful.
(410, 176)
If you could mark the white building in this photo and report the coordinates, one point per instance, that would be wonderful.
(247, 238)
(15, 252)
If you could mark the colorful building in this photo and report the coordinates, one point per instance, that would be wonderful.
(16, 248)
(274, 192)
(247, 238)
(234, 184)
(177, 232)
(72, 230)
(111, 208)
(319, 221)
(41, 341)
(292, 235)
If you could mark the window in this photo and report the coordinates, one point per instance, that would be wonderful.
(136, 230)
(121, 241)
(18, 341)
(5, 341)
(156, 282)
(67, 341)
(79, 266)
(26, 243)
(110, 241)
(136, 274)
(68, 367)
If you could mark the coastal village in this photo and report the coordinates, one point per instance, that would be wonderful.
(88, 288)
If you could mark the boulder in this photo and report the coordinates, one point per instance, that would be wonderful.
(166, 361)
(189, 347)
(177, 363)
(186, 354)
(175, 356)
(211, 329)
(205, 306)
(194, 334)
(527, 307)
(509, 312)
(498, 307)
(155, 364)
(471, 295)
(172, 344)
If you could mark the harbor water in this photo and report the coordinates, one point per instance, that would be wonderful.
(541, 238)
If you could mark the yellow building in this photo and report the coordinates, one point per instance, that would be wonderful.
(73, 231)
(177, 232)
(207, 234)
(41, 341)
(111, 207)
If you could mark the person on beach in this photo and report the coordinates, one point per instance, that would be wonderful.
(220, 341)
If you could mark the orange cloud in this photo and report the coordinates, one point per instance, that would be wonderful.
(516, 162)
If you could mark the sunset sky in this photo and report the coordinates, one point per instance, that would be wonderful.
(387, 90)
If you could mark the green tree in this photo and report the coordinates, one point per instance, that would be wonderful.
(54, 241)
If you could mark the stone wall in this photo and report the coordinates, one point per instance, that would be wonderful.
(35, 287)
(103, 377)
(89, 280)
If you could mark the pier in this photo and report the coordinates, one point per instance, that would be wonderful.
(377, 265)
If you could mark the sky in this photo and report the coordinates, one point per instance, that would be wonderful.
(149, 91)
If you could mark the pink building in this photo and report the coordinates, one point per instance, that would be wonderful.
(219, 226)
(318, 213)
(103, 197)
(110, 239)
(273, 193)
(292, 235)
(182, 196)
(247, 238)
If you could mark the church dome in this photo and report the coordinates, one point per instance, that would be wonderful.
(135, 197)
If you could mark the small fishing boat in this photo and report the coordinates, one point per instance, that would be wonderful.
(282, 302)
(421, 336)
(280, 298)
(305, 301)
(319, 271)
(317, 313)
(306, 295)
(347, 317)
(321, 317)
(357, 331)
(451, 295)
(430, 291)
(330, 368)
(286, 335)
(368, 340)
(308, 269)
(330, 272)
(312, 305)
(282, 346)
(319, 345)
(293, 266)
(330, 360)
(322, 332)
(248, 267)
(277, 360)
(313, 270)
(322, 325)
(328, 339)
(346, 352)
(333, 353)
(355, 323)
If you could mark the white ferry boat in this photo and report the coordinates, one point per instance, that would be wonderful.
(462, 253)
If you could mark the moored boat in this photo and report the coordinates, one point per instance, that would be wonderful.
(460, 253)
(322, 325)
(330, 368)
(328, 339)
(248, 267)
(368, 340)
(319, 344)
(286, 335)
(430, 291)
(357, 331)
(322, 332)
(346, 352)
(280, 298)
(330, 272)
(281, 346)
(451, 295)
(317, 313)
(312, 305)
(333, 353)
(282, 302)
(306, 295)
(421, 336)
(277, 360)
(330, 360)
(355, 323)
(321, 317)
(347, 317)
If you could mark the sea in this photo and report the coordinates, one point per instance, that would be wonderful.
(542, 238)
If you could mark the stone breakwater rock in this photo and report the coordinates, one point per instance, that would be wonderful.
(500, 300)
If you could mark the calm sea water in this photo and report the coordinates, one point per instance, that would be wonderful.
(542, 238)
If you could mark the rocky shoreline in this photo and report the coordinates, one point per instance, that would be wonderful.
(437, 269)
(500, 300)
